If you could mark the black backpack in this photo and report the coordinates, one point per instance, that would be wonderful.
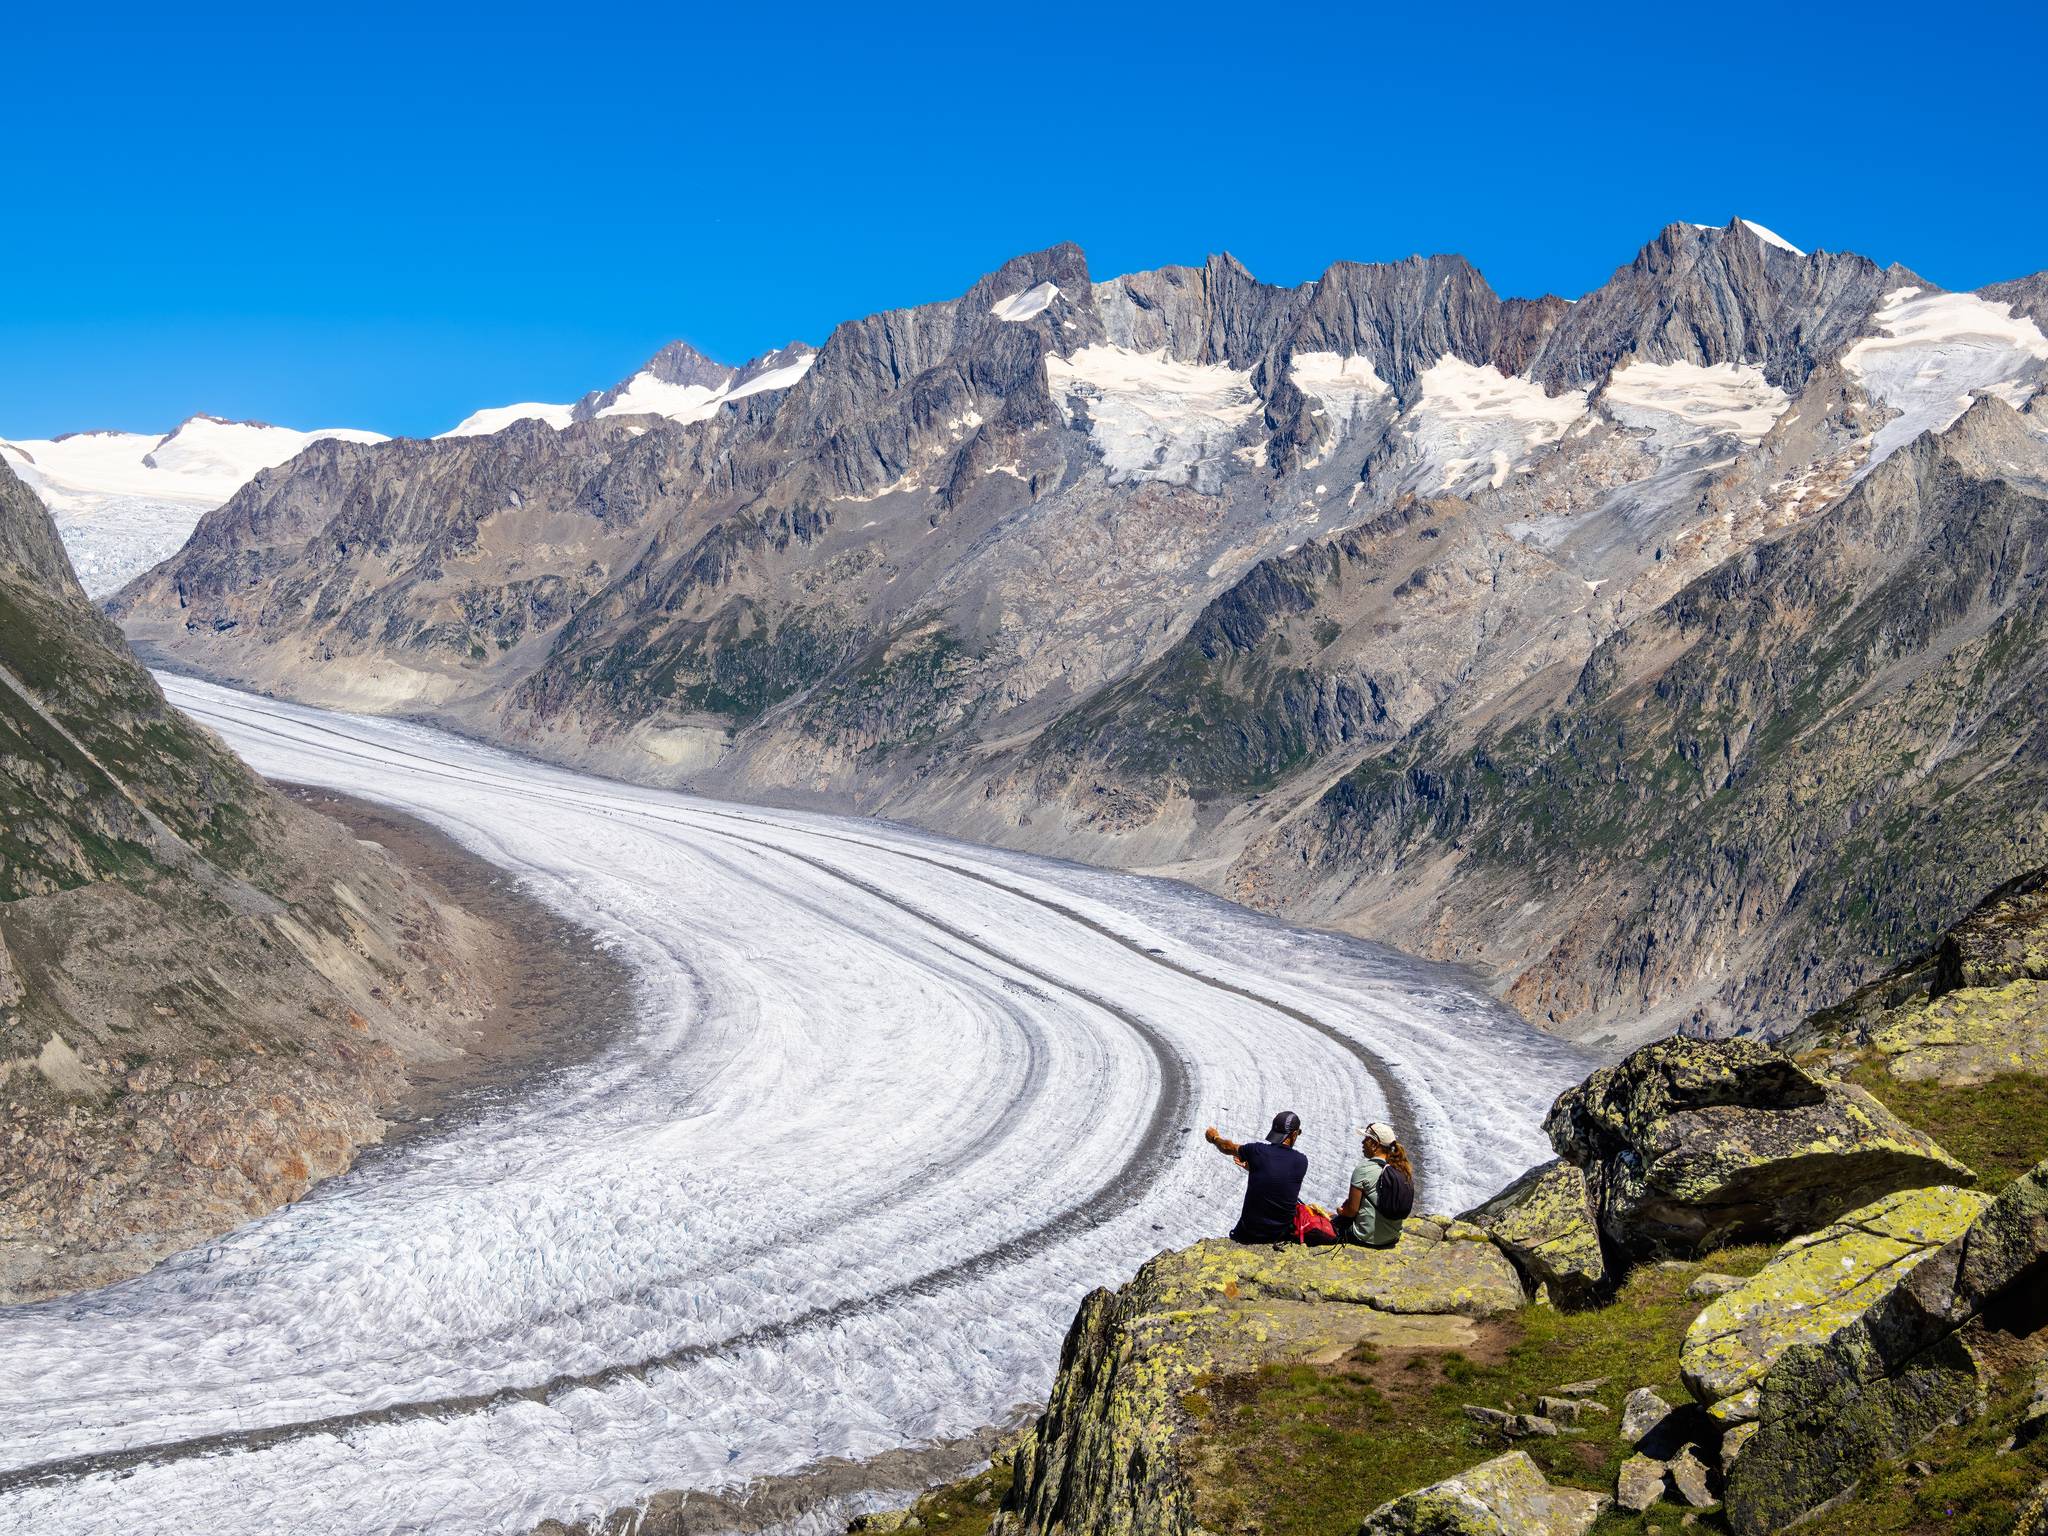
(1393, 1196)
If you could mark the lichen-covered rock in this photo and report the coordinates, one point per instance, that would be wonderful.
(1544, 1222)
(1813, 1286)
(1971, 1008)
(1828, 1412)
(1640, 1483)
(1102, 1457)
(1508, 1496)
(1641, 1412)
(1687, 1144)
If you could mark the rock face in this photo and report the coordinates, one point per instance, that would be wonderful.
(1101, 1459)
(1687, 1144)
(1816, 1285)
(1544, 1221)
(1508, 1496)
(1379, 599)
(1974, 1006)
(1828, 1411)
(148, 1107)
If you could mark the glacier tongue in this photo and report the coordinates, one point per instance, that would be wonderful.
(892, 1104)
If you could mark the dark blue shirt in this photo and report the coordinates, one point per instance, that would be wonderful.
(1270, 1192)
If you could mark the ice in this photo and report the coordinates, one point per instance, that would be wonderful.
(1150, 416)
(1345, 387)
(125, 500)
(497, 418)
(1683, 402)
(1475, 426)
(1936, 351)
(1022, 306)
(890, 1106)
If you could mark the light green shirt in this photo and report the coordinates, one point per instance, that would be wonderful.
(1369, 1227)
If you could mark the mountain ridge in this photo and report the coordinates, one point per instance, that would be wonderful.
(926, 576)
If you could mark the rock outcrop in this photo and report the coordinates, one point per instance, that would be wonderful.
(1687, 1144)
(150, 1105)
(1815, 1286)
(1974, 1006)
(1508, 1496)
(1544, 1221)
(1827, 1412)
(1102, 1457)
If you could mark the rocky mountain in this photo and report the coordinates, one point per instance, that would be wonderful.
(206, 991)
(1607, 646)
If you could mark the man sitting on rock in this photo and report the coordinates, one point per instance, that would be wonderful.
(1273, 1187)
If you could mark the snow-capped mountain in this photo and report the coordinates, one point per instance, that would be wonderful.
(1589, 643)
(125, 500)
(678, 382)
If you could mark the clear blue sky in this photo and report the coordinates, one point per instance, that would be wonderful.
(384, 218)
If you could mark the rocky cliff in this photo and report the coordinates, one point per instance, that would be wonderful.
(206, 992)
(1522, 632)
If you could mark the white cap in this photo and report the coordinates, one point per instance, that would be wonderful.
(1380, 1132)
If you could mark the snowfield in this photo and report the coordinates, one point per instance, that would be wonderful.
(1151, 416)
(123, 501)
(892, 1104)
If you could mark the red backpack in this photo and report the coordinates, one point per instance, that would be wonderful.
(1308, 1219)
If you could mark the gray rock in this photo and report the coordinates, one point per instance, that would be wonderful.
(1570, 1411)
(1640, 1484)
(1687, 1144)
(1690, 1477)
(1706, 1287)
(1544, 1222)
(1642, 1412)
(1508, 1496)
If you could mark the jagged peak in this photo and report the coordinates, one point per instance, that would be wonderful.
(680, 363)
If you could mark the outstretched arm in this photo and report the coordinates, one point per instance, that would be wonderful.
(1220, 1142)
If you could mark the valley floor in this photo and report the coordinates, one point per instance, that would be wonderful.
(889, 1105)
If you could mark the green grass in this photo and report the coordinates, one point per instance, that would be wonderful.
(1999, 1127)
(968, 1507)
(1972, 1487)
(1302, 1450)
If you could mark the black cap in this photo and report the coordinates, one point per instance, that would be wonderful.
(1285, 1124)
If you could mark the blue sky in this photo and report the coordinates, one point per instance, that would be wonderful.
(385, 218)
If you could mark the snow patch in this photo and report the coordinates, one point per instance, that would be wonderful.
(1346, 387)
(1472, 422)
(1690, 402)
(1150, 416)
(496, 418)
(1935, 353)
(1022, 306)
(1769, 237)
(646, 395)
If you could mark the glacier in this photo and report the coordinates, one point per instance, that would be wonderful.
(890, 1106)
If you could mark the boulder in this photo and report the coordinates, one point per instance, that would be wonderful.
(1570, 1411)
(1508, 1496)
(1640, 1483)
(1105, 1453)
(1641, 1412)
(1690, 1144)
(1544, 1222)
(1689, 1475)
(1828, 1411)
(1813, 1286)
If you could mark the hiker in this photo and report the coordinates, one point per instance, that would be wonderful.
(1382, 1191)
(1273, 1186)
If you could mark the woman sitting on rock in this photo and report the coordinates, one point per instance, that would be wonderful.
(1382, 1191)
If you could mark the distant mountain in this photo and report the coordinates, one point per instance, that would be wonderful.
(678, 382)
(125, 500)
(1381, 599)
